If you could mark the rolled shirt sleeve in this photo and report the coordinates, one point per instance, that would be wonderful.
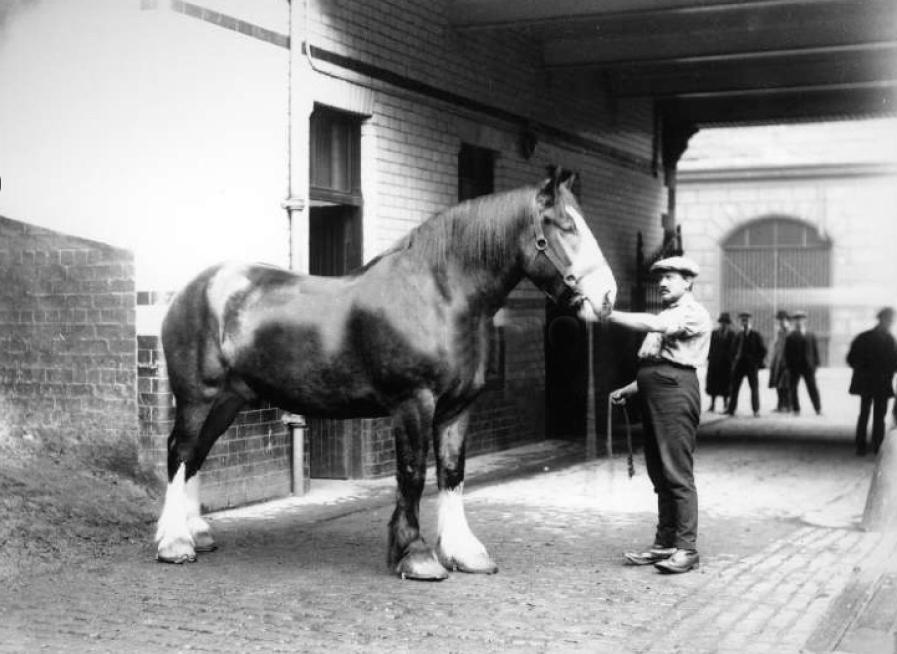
(686, 337)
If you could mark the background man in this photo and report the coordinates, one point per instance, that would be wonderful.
(719, 362)
(677, 342)
(873, 357)
(750, 353)
(802, 359)
(778, 372)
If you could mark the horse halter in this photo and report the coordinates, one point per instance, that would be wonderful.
(543, 246)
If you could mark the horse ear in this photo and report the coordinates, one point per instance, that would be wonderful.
(548, 188)
(569, 179)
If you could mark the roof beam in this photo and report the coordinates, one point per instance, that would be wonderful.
(676, 47)
(815, 68)
(501, 14)
(782, 107)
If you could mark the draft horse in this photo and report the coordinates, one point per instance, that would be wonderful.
(405, 335)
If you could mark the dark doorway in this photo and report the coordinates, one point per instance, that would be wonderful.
(566, 374)
(335, 248)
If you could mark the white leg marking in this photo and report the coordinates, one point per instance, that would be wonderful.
(199, 528)
(173, 539)
(457, 547)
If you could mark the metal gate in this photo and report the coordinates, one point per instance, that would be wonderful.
(778, 263)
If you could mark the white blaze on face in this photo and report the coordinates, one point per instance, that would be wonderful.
(596, 281)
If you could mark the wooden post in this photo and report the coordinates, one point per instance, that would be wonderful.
(591, 417)
(881, 502)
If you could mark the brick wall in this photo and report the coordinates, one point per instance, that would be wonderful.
(68, 337)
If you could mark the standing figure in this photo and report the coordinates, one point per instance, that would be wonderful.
(802, 359)
(677, 342)
(778, 371)
(873, 357)
(719, 362)
(750, 353)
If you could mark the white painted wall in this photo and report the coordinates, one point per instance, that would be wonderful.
(147, 129)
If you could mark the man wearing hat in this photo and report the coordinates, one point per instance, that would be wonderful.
(778, 372)
(750, 353)
(802, 359)
(873, 357)
(666, 387)
(719, 362)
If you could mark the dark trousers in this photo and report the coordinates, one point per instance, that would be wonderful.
(739, 372)
(670, 401)
(783, 397)
(810, 379)
(879, 406)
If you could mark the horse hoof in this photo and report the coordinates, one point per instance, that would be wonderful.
(204, 543)
(487, 568)
(181, 558)
(176, 553)
(201, 533)
(479, 566)
(421, 569)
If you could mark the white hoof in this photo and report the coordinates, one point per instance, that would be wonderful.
(176, 551)
(475, 560)
(203, 541)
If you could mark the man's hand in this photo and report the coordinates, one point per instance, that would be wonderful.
(620, 395)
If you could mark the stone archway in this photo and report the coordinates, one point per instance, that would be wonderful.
(778, 262)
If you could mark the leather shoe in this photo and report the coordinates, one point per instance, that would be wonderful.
(680, 561)
(652, 555)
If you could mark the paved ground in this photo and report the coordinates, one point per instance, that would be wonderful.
(785, 566)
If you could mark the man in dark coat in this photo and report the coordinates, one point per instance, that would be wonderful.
(750, 353)
(802, 359)
(778, 373)
(719, 362)
(873, 357)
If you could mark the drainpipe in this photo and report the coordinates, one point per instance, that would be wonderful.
(299, 108)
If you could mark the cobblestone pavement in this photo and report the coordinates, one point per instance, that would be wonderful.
(784, 566)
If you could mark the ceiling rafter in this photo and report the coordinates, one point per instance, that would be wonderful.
(793, 59)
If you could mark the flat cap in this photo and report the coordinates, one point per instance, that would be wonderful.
(799, 314)
(745, 314)
(682, 265)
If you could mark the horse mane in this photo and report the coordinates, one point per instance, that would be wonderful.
(482, 231)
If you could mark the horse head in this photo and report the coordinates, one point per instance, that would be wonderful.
(565, 260)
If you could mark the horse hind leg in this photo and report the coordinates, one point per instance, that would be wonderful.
(456, 545)
(181, 531)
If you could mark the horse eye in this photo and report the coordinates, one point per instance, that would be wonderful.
(562, 222)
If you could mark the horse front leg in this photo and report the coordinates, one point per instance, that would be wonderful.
(408, 555)
(457, 547)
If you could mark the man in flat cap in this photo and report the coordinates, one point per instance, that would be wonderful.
(802, 359)
(750, 354)
(677, 341)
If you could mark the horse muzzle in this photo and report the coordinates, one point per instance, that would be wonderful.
(598, 293)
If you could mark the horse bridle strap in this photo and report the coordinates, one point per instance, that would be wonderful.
(542, 246)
